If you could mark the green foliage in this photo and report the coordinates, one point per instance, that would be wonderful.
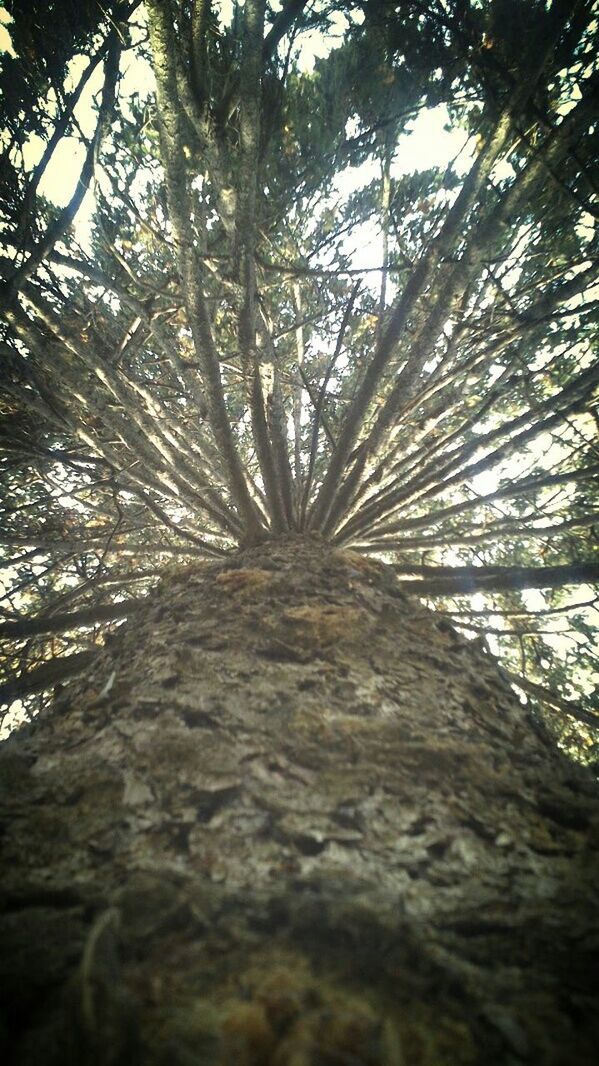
(281, 317)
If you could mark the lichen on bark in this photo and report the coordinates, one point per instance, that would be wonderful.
(307, 822)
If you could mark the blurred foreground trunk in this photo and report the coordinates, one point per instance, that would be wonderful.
(290, 818)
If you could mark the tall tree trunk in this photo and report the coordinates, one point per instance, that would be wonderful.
(290, 818)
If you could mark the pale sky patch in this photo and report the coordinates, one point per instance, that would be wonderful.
(6, 45)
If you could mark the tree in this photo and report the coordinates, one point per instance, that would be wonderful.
(285, 813)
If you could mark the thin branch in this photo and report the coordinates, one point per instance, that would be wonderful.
(60, 623)
(552, 699)
(453, 581)
(45, 676)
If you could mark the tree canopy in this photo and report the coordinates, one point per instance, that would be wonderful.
(283, 317)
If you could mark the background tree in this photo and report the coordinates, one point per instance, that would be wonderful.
(211, 373)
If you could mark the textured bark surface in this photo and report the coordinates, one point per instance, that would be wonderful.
(289, 818)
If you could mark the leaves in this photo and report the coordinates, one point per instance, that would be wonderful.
(282, 320)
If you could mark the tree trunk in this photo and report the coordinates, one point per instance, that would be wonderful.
(289, 818)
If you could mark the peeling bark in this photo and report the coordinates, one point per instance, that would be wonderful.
(289, 817)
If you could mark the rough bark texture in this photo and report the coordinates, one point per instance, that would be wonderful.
(289, 818)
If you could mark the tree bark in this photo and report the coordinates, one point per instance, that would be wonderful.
(289, 817)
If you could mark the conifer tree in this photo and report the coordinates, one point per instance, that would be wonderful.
(224, 428)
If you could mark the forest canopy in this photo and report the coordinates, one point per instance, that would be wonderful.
(324, 269)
